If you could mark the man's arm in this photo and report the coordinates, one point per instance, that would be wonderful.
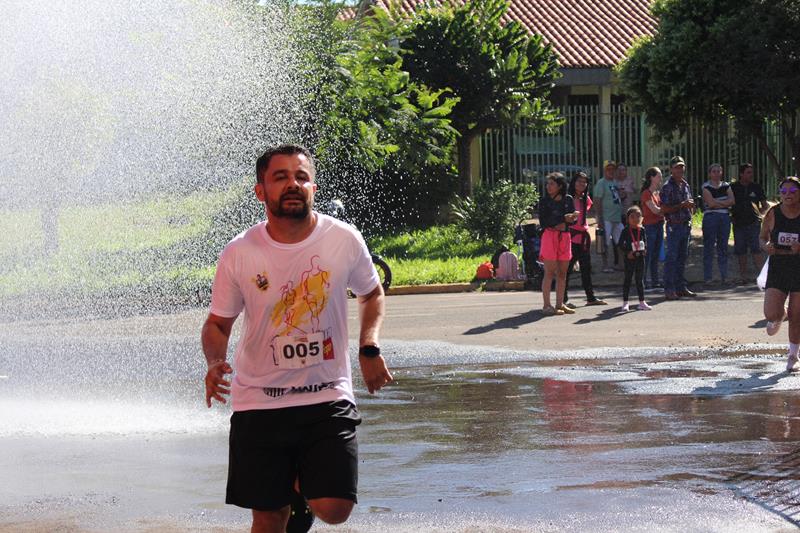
(371, 308)
(214, 336)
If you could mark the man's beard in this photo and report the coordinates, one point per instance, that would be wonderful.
(297, 212)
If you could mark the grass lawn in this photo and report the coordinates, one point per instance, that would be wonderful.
(440, 254)
(169, 245)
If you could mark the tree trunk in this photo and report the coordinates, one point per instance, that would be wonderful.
(762, 140)
(464, 163)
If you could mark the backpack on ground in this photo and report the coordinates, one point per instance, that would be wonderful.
(508, 266)
(485, 271)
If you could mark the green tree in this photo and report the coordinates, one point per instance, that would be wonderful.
(499, 72)
(719, 59)
(383, 140)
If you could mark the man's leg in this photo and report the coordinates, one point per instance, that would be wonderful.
(328, 464)
(670, 264)
(755, 246)
(683, 254)
(261, 469)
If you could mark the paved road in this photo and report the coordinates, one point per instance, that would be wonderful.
(512, 320)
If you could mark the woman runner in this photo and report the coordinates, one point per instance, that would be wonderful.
(780, 239)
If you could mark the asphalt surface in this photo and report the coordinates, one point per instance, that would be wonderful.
(718, 318)
(499, 419)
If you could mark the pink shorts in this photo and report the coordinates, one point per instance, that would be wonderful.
(556, 246)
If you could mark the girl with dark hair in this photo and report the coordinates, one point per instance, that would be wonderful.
(780, 239)
(556, 213)
(653, 222)
(581, 242)
(633, 244)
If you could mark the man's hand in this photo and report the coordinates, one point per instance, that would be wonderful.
(375, 373)
(216, 385)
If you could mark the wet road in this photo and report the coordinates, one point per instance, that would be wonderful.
(102, 428)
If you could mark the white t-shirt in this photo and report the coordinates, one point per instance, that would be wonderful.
(293, 346)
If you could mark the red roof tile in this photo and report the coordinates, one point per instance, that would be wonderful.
(584, 33)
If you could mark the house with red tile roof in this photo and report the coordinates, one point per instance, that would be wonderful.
(590, 37)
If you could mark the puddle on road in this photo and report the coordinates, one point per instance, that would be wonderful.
(493, 440)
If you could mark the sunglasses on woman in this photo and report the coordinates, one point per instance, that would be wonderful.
(789, 190)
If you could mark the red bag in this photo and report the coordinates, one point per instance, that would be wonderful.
(485, 271)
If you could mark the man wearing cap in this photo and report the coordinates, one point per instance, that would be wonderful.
(609, 210)
(677, 205)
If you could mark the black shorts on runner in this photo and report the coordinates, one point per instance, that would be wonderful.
(270, 448)
(783, 273)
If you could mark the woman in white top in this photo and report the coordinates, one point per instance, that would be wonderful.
(717, 198)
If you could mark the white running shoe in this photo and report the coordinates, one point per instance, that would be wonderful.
(625, 308)
(774, 327)
(791, 363)
(644, 307)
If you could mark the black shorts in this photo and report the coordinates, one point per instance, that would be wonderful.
(270, 448)
(784, 273)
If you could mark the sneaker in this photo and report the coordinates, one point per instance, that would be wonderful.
(570, 305)
(625, 308)
(670, 296)
(566, 310)
(791, 362)
(596, 301)
(643, 306)
(300, 518)
(686, 293)
(608, 270)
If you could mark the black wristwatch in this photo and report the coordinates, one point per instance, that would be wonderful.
(369, 351)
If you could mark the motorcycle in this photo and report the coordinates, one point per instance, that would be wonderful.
(335, 208)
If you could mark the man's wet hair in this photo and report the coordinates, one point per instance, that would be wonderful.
(262, 164)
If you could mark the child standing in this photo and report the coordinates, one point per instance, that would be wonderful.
(633, 244)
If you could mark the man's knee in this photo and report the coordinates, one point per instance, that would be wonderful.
(331, 510)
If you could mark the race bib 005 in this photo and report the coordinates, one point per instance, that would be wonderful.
(787, 239)
(302, 351)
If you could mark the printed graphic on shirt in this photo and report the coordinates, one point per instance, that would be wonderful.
(299, 342)
(614, 192)
(261, 281)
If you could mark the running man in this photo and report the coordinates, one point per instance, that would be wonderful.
(780, 240)
(292, 434)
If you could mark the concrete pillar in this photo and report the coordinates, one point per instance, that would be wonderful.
(605, 125)
(475, 161)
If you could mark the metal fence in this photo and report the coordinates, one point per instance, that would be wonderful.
(524, 154)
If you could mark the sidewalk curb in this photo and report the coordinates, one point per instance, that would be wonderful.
(442, 288)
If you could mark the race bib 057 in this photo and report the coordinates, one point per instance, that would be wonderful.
(787, 239)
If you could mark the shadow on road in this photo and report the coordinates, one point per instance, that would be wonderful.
(614, 312)
(757, 382)
(512, 322)
(774, 486)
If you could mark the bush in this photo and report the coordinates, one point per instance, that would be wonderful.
(493, 211)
